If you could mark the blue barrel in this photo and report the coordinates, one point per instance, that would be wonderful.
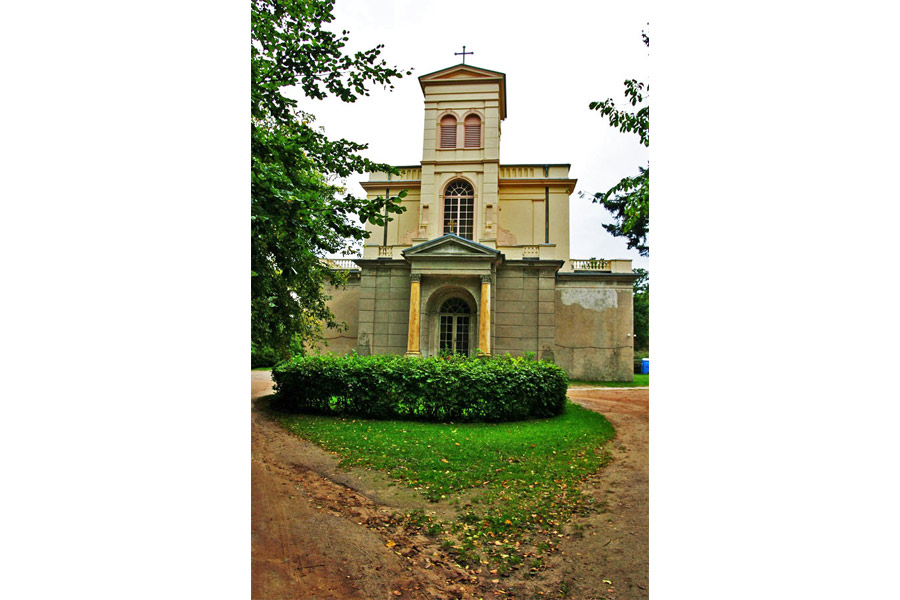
(645, 366)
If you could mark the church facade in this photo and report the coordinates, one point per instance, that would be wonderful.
(479, 262)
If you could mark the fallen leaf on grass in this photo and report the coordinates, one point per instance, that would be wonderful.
(390, 544)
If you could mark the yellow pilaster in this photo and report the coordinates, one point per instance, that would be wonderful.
(484, 321)
(412, 346)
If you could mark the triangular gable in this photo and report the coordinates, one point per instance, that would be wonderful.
(450, 245)
(467, 73)
(461, 71)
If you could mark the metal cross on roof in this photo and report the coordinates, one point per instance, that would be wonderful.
(463, 54)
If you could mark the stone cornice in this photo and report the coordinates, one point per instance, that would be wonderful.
(534, 262)
(596, 276)
(569, 183)
(397, 184)
(462, 162)
(381, 262)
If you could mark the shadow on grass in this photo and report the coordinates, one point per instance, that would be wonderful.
(640, 380)
(268, 405)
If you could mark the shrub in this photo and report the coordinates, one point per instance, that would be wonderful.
(451, 388)
(265, 357)
(638, 355)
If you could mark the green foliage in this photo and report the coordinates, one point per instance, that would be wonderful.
(629, 203)
(629, 199)
(263, 357)
(638, 355)
(637, 122)
(642, 310)
(267, 357)
(299, 213)
(453, 388)
(514, 484)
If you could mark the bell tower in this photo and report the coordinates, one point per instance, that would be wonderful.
(464, 106)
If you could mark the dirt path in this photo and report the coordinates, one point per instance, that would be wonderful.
(314, 536)
(321, 533)
(614, 545)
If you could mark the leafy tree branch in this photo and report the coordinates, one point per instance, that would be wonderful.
(629, 200)
(299, 213)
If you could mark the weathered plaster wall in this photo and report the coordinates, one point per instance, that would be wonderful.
(581, 322)
(594, 327)
(383, 307)
(344, 303)
(524, 313)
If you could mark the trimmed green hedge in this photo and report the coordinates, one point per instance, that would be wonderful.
(430, 389)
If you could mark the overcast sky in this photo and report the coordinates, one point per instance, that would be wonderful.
(557, 57)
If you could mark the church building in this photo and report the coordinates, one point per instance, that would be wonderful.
(479, 262)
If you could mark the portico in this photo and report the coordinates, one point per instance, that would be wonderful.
(450, 283)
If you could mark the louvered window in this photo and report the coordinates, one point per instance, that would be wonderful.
(448, 132)
(473, 131)
(459, 203)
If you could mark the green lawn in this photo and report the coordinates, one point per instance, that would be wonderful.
(514, 484)
(640, 380)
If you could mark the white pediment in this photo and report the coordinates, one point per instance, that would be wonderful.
(461, 72)
(450, 245)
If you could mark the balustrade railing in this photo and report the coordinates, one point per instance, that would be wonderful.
(591, 264)
(341, 264)
(531, 251)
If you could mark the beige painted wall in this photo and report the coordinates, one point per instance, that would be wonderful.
(344, 303)
(509, 199)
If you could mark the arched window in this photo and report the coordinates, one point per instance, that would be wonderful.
(459, 202)
(455, 321)
(448, 132)
(473, 131)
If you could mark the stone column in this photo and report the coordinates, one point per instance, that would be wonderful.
(412, 346)
(484, 321)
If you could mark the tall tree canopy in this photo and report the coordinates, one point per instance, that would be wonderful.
(641, 309)
(299, 212)
(629, 199)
